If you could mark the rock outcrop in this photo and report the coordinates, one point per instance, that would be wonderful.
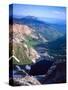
(21, 47)
(27, 80)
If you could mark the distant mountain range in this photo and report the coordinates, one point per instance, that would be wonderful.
(48, 31)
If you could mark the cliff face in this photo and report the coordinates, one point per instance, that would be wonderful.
(23, 29)
(22, 48)
(19, 32)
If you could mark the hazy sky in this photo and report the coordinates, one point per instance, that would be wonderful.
(42, 12)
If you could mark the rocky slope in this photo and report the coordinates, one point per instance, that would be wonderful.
(21, 37)
(28, 80)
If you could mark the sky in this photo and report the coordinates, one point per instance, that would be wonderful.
(45, 13)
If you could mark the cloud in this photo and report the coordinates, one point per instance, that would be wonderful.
(57, 12)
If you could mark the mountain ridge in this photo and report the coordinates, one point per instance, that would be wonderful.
(47, 31)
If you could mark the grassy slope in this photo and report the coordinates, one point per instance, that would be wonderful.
(31, 42)
(19, 52)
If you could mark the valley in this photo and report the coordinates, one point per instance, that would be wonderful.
(40, 49)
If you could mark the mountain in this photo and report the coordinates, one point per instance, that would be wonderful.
(58, 46)
(31, 32)
(22, 41)
(47, 30)
(40, 48)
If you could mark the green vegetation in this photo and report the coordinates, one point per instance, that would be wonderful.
(31, 42)
(20, 52)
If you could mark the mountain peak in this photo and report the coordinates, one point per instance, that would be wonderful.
(30, 17)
